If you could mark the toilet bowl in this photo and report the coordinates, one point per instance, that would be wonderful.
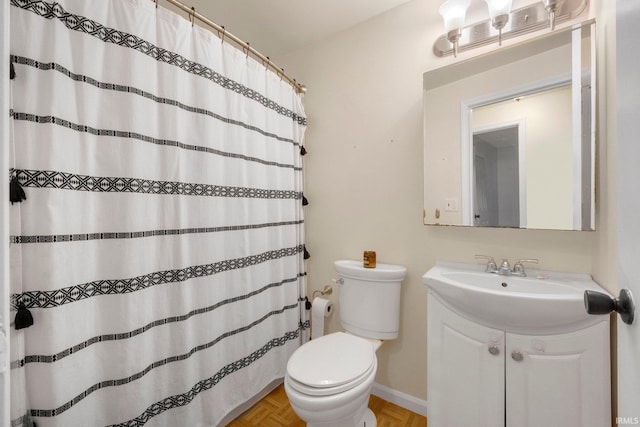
(329, 379)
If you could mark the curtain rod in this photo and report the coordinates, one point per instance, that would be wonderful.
(246, 47)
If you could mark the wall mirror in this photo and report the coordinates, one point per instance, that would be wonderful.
(509, 137)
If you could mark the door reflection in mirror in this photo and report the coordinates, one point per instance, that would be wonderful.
(496, 196)
(527, 149)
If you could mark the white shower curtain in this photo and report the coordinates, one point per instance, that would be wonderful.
(160, 248)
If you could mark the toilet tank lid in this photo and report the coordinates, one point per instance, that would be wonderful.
(380, 273)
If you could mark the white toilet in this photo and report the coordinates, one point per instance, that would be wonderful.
(329, 379)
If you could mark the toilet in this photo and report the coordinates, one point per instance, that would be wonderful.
(329, 379)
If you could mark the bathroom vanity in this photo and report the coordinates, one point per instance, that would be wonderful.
(515, 351)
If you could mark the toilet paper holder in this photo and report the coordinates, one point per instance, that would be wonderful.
(328, 290)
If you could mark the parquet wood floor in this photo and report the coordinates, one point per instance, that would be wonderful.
(274, 411)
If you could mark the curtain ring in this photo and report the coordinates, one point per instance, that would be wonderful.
(192, 15)
(224, 31)
(248, 49)
(281, 74)
(156, 2)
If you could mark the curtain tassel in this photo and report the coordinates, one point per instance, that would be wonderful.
(12, 71)
(24, 319)
(305, 202)
(16, 193)
(307, 255)
(303, 151)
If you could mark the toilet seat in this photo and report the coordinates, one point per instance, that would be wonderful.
(331, 364)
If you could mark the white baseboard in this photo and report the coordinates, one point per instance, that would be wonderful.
(419, 406)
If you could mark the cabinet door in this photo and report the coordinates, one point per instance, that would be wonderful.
(465, 368)
(559, 380)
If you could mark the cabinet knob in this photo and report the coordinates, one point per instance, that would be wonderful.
(517, 356)
(494, 349)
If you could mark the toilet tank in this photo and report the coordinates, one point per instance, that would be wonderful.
(370, 298)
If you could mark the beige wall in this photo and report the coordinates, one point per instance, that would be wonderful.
(364, 178)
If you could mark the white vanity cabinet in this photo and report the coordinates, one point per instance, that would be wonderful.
(465, 377)
(480, 376)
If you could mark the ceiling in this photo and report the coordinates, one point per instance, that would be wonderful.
(274, 27)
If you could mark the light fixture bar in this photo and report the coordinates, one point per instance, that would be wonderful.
(521, 21)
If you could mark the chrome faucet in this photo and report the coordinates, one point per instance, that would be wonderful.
(505, 269)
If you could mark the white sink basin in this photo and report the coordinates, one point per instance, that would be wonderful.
(544, 302)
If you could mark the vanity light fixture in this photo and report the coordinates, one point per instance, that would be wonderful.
(552, 6)
(453, 13)
(499, 11)
(502, 24)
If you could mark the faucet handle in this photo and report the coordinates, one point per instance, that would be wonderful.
(492, 267)
(518, 268)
